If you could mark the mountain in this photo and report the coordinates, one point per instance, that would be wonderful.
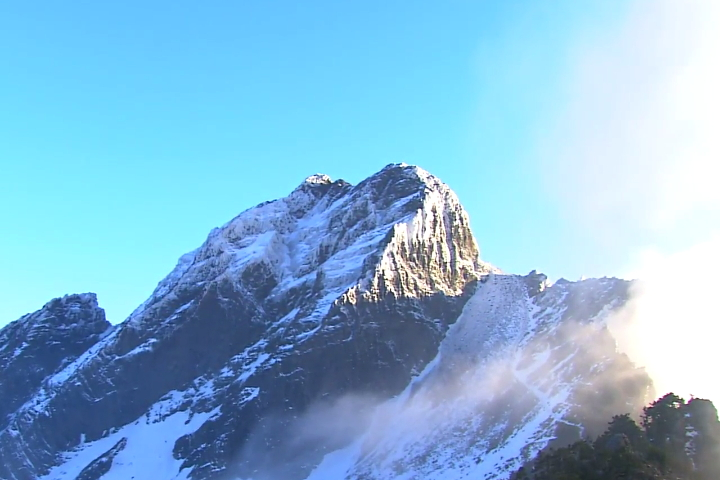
(527, 366)
(39, 345)
(340, 332)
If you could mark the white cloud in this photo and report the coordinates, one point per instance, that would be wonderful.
(672, 324)
(636, 145)
(635, 155)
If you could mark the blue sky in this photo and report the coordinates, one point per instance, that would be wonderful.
(129, 130)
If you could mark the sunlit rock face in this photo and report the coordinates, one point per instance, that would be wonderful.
(333, 289)
(527, 365)
(341, 332)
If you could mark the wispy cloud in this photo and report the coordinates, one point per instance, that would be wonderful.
(637, 141)
(634, 158)
(672, 323)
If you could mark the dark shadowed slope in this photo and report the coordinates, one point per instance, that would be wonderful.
(335, 288)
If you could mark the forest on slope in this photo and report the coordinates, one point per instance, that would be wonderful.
(675, 440)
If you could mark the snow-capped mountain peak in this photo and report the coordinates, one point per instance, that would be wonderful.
(234, 364)
(318, 179)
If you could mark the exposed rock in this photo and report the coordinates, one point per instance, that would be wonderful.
(40, 344)
(102, 465)
(337, 315)
(536, 283)
(330, 290)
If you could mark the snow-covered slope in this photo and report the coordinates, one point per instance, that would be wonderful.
(525, 365)
(38, 345)
(334, 288)
(341, 332)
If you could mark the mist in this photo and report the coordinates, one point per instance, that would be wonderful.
(496, 394)
(285, 445)
(670, 325)
(633, 159)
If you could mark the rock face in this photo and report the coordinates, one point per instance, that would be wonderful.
(333, 289)
(341, 332)
(38, 345)
(522, 369)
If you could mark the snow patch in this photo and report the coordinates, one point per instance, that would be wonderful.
(147, 455)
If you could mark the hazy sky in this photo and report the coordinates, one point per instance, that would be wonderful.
(128, 131)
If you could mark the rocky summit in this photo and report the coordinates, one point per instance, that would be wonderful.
(342, 332)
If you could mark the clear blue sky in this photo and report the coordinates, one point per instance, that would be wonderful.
(129, 129)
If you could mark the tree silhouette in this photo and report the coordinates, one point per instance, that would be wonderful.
(677, 441)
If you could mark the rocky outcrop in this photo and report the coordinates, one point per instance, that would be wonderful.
(521, 369)
(40, 344)
(341, 332)
(102, 465)
(335, 288)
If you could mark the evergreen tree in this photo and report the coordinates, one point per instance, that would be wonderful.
(678, 441)
(703, 433)
(664, 422)
(626, 426)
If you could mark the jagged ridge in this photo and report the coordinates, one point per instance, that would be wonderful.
(334, 291)
(370, 276)
(38, 345)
